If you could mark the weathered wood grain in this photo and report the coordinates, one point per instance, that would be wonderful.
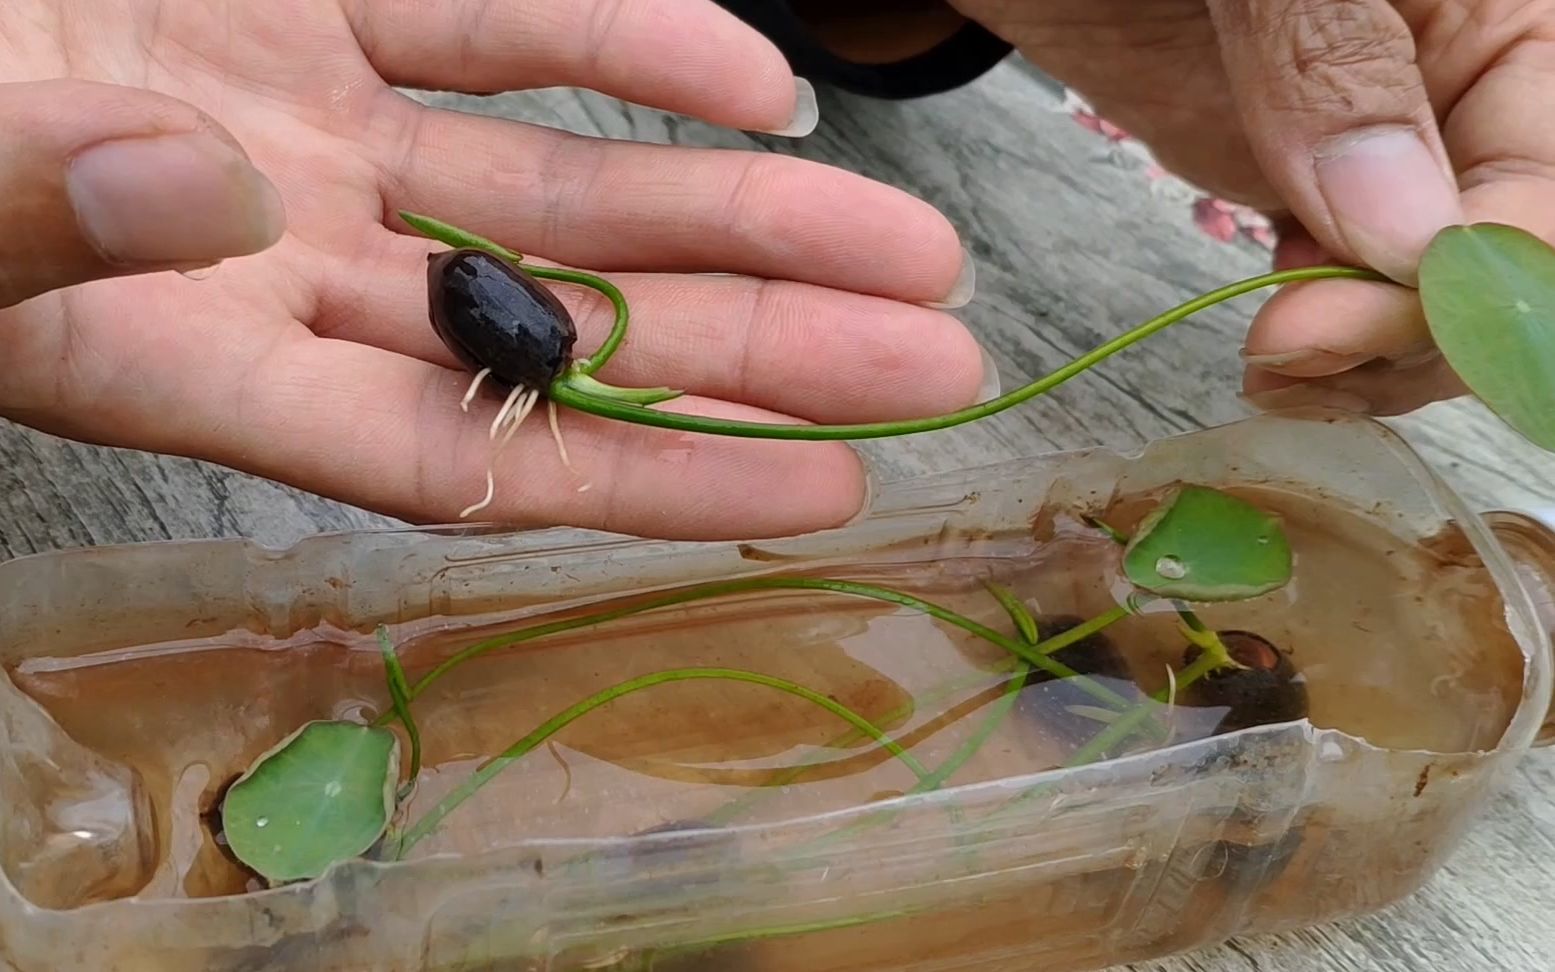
(1068, 255)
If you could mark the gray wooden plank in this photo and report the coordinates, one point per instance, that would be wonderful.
(1069, 253)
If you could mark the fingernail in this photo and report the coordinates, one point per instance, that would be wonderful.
(1414, 356)
(807, 112)
(1306, 396)
(962, 291)
(991, 386)
(1389, 197)
(1305, 362)
(182, 200)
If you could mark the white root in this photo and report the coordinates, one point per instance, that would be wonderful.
(561, 445)
(475, 386)
(517, 408)
(525, 406)
(503, 412)
(491, 491)
(514, 411)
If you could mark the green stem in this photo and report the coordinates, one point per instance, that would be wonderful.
(1119, 730)
(973, 743)
(1020, 650)
(399, 694)
(612, 342)
(459, 239)
(729, 811)
(565, 394)
(1124, 726)
(1025, 624)
(556, 723)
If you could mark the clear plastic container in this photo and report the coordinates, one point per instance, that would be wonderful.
(142, 678)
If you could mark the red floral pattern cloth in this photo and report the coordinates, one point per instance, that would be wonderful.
(1221, 220)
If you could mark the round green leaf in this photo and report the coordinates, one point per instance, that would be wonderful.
(1489, 296)
(1204, 545)
(325, 794)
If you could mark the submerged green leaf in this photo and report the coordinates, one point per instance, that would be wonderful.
(1489, 297)
(399, 695)
(1201, 544)
(324, 795)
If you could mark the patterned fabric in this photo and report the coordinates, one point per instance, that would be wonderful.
(1224, 221)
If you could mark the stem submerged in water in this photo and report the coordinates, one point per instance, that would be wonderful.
(1036, 657)
(560, 721)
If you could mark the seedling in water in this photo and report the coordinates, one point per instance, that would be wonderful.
(1265, 687)
(329, 792)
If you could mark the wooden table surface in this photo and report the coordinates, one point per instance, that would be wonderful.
(1073, 244)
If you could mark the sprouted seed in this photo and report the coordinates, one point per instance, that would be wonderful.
(503, 324)
(499, 321)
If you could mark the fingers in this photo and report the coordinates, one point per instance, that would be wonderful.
(1322, 327)
(1379, 388)
(818, 354)
(1500, 131)
(109, 181)
(625, 206)
(385, 432)
(685, 56)
(1339, 119)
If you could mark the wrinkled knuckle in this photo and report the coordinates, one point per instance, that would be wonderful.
(760, 204)
(600, 33)
(1341, 54)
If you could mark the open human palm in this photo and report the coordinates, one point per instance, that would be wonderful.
(766, 287)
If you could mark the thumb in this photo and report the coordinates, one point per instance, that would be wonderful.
(1339, 118)
(99, 180)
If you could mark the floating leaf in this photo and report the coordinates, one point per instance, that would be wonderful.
(1204, 545)
(1489, 297)
(325, 794)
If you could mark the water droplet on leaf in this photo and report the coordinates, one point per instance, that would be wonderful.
(1171, 568)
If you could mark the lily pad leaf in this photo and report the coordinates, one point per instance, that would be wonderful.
(1489, 296)
(1202, 544)
(324, 795)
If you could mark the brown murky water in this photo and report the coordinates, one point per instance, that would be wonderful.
(1376, 631)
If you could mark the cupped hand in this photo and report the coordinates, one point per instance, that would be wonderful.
(148, 136)
(1363, 126)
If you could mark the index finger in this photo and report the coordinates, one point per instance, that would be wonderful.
(685, 56)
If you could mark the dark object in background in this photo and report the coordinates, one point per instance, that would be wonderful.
(928, 48)
(1057, 703)
(1269, 690)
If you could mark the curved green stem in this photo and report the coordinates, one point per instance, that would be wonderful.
(1015, 647)
(577, 398)
(561, 720)
(612, 293)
